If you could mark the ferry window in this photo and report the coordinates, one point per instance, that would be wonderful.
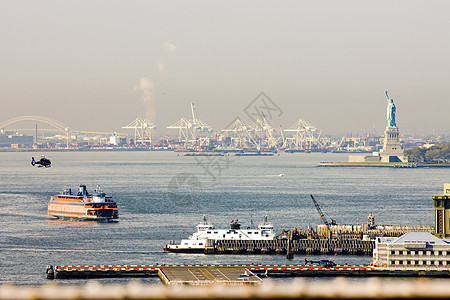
(185, 243)
(392, 252)
(200, 243)
(400, 262)
(208, 232)
(216, 232)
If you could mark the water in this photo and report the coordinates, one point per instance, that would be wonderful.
(162, 196)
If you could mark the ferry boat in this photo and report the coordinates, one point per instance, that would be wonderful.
(83, 206)
(196, 243)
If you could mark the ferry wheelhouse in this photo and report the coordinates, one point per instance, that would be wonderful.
(84, 206)
(206, 231)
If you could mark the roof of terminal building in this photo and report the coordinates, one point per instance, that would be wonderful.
(417, 237)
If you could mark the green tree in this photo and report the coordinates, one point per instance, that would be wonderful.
(439, 153)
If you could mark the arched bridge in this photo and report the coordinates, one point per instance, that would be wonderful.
(54, 123)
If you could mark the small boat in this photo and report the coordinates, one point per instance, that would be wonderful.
(83, 206)
(196, 243)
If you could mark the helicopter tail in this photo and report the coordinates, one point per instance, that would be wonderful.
(33, 162)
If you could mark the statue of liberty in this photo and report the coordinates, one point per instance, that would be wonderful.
(390, 112)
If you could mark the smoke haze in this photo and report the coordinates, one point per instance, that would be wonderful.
(147, 87)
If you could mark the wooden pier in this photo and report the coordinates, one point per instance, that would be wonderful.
(301, 246)
(233, 274)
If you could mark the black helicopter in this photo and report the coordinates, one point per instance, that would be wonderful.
(323, 262)
(43, 162)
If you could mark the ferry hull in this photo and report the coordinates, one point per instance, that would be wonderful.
(78, 211)
(184, 250)
(64, 218)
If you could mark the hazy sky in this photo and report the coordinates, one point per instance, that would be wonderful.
(97, 65)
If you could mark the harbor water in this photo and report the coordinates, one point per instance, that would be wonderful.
(162, 196)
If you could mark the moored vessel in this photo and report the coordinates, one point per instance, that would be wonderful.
(83, 206)
(197, 242)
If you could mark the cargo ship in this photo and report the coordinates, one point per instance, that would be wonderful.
(83, 206)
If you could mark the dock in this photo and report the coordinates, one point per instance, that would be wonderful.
(382, 165)
(249, 274)
(301, 246)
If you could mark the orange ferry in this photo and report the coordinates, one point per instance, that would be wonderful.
(95, 207)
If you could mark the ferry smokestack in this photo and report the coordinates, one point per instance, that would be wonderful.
(82, 190)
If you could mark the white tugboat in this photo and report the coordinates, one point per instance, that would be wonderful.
(206, 231)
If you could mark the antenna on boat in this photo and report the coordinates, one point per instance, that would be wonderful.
(252, 226)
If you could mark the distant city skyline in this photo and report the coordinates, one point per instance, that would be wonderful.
(98, 65)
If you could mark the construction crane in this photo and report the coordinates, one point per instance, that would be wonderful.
(322, 215)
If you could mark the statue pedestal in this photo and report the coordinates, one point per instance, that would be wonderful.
(392, 149)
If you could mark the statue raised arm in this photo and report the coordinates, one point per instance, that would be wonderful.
(390, 112)
(385, 92)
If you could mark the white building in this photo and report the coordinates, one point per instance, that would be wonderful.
(413, 250)
(116, 140)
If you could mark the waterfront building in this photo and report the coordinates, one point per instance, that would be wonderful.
(16, 140)
(117, 140)
(442, 213)
(413, 250)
